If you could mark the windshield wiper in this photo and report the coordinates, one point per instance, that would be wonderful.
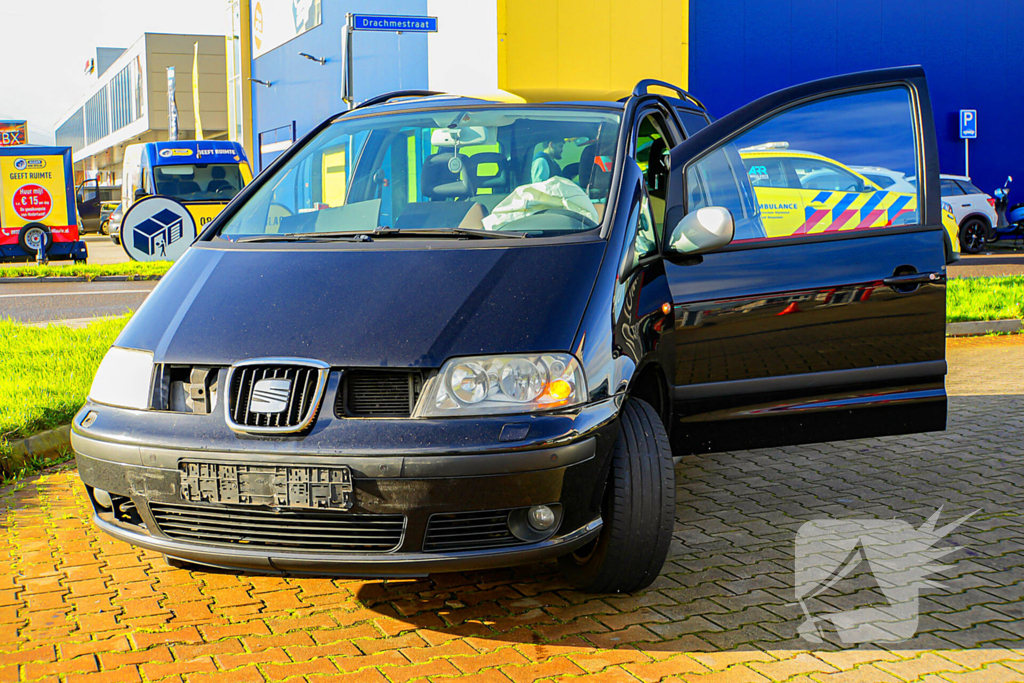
(345, 236)
(476, 233)
(308, 237)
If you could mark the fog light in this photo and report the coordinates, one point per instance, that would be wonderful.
(102, 499)
(541, 517)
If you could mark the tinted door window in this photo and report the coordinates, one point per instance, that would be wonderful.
(968, 187)
(692, 121)
(950, 189)
(819, 142)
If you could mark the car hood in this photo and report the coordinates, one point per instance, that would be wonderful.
(390, 306)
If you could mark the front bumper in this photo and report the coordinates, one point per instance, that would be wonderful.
(569, 477)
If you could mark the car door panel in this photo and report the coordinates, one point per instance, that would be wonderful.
(810, 337)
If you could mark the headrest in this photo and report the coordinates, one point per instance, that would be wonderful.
(657, 169)
(499, 179)
(595, 169)
(218, 173)
(656, 158)
(438, 181)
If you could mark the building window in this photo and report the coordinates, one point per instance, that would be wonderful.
(97, 121)
(72, 132)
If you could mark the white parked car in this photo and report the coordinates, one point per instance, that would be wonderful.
(887, 179)
(974, 210)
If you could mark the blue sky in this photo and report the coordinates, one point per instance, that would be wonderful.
(44, 45)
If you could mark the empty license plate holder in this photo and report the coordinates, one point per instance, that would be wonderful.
(267, 485)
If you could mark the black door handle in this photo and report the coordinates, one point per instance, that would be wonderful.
(914, 279)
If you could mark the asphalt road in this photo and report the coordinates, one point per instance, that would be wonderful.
(104, 252)
(1002, 262)
(70, 301)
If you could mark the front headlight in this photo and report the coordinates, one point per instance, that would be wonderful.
(494, 385)
(123, 379)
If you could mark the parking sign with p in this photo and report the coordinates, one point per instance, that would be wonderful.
(968, 123)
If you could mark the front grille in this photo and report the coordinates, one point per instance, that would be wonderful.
(303, 397)
(288, 529)
(455, 531)
(378, 393)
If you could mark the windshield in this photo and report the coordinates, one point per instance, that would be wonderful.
(540, 171)
(198, 182)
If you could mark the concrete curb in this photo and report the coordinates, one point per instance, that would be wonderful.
(78, 278)
(983, 327)
(46, 444)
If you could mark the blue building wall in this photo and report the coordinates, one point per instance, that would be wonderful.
(306, 92)
(743, 49)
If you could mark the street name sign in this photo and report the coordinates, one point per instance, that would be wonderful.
(394, 22)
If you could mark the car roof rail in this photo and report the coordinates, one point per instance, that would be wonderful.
(394, 95)
(642, 87)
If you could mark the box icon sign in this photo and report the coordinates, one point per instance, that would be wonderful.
(157, 229)
(153, 235)
(32, 202)
(968, 123)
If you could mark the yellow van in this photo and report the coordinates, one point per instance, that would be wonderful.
(204, 175)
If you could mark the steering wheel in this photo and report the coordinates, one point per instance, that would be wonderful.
(571, 214)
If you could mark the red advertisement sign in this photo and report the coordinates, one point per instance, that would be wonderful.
(32, 202)
(13, 133)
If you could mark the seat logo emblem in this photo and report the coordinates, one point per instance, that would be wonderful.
(270, 396)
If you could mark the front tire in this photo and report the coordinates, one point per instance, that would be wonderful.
(972, 235)
(638, 510)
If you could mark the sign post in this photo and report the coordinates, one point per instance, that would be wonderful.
(968, 130)
(393, 23)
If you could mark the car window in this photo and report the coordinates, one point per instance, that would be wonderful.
(767, 172)
(950, 188)
(797, 164)
(968, 187)
(653, 145)
(883, 181)
(818, 174)
(545, 171)
(647, 236)
(198, 182)
(692, 121)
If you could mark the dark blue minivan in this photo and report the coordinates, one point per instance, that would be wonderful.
(444, 333)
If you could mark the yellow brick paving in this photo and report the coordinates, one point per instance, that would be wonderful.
(77, 606)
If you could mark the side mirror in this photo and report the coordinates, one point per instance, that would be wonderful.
(703, 230)
(140, 193)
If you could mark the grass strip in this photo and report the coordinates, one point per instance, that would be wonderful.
(46, 373)
(136, 268)
(984, 298)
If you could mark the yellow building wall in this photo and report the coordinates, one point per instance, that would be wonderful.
(591, 44)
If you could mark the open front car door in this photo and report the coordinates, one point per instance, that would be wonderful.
(823, 318)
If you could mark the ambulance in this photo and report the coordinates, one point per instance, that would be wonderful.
(37, 204)
(204, 175)
(805, 193)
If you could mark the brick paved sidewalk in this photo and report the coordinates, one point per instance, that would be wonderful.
(76, 605)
